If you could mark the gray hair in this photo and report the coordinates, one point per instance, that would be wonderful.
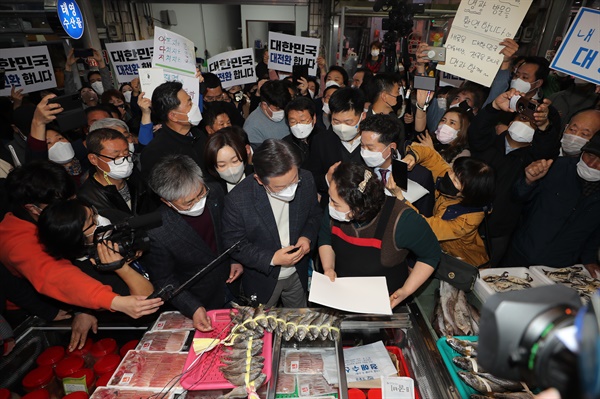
(109, 123)
(175, 176)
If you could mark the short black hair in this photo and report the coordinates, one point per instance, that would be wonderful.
(165, 100)
(477, 179)
(99, 107)
(341, 70)
(211, 81)
(347, 99)
(478, 91)
(382, 82)
(386, 126)
(301, 104)
(316, 82)
(212, 111)
(60, 229)
(95, 139)
(91, 73)
(368, 75)
(275, 92)
(364, 205)
(543, 66)
(39, 182)
(274, 158)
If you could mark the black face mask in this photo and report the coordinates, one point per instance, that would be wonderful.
(445, 185)
(398, 107)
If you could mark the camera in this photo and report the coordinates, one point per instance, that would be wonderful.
(130, 235)
(524, 106)
(544, 337)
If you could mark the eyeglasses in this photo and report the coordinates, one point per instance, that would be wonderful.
(286, 187)
(94, 221)
(117, 160)
(198, 198)
(220, 97)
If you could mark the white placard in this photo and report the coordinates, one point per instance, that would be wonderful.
(473, 45)
(173, 52)
(578, 53)
(285, 51)
(27, 68)
(447, 79)
(233, 67)
(150, 79)
(397, 388)
(128, 57)
(191, 85)
(352, 294)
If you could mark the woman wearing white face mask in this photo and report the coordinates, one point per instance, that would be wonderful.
(370, 234)
(226, 157)
(450, 137)
(127, 90)
(325, 120)
(189, 238)
(61, 151)
(375, 59)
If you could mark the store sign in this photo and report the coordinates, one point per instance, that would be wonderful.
(285, 51)
(127, 57)
(70, 18)
(27, 68)
(233, 67)
(578, 53)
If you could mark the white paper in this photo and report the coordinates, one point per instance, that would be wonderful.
(415, 191)
(173, 52)
(473, 44)
(352, 294)
(233, 67)
(363, 363)
(397, 388)
(150, 79)
(285, 51)
(128, 57)
(578, 53)
(27, 68)
(191, 84)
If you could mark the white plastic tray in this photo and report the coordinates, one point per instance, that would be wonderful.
(172, 321)
(483, 290)
(538, 272)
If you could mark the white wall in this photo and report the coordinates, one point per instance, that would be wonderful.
(297, 14)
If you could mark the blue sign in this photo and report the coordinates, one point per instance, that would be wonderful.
(71, 18)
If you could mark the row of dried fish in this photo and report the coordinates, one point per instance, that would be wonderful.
(452, 314)
(506, 282)
(575, 278)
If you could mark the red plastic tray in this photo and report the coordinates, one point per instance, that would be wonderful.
(205, 374)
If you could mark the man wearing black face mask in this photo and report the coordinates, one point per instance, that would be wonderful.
(384, 93)
(179, 134)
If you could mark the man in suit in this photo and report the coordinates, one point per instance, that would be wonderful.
(277, 217)
(190, 238)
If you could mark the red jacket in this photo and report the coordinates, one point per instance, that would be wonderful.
(24, 256)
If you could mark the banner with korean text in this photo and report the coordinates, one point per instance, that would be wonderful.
(473, 45)
(128, 57)
(233, 67)
(27, 68)
(285, 51)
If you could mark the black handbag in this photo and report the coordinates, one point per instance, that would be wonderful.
(456, 272)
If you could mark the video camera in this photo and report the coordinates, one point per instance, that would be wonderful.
(544, 337)
(130, 235)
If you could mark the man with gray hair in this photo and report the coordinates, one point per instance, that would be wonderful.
(189, 239)
(121, 126)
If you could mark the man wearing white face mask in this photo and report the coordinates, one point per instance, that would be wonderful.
(302, 119)
(509, 153)
(562, 225)
(189, 239)
(581, 128)
(530, 76)
(276, 216)
(268, 120)
(115, 183)
(120, 126)
(179, 133)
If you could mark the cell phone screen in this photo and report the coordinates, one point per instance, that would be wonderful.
(400, 173)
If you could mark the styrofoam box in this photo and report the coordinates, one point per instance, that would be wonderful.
(483, 290)
(538, 272)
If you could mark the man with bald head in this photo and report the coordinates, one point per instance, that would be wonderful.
(579, 131)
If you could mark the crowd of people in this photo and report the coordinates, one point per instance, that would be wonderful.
(296, 175)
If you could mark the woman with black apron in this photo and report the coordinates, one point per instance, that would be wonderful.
(370, 234)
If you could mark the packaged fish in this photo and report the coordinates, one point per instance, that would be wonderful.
(303, 362)
(128, 393)
(173, 321)
(314, 385)
(149, 369)
(163, 341)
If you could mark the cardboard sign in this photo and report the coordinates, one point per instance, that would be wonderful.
(128, 57)
(285, 51)
(233, 67)
(473, 45)
(578, 53)
(27, 68)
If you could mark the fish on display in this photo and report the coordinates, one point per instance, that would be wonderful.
(465, 348)
(467, 363)
(480, 384)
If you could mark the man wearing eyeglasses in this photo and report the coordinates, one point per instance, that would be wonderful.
(276, 216)
(214, 95)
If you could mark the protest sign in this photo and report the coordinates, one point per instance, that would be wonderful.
(233, 67)
(473, 45)
(128, 57)
(285, 51)
(447, 79)
(578, 53)
(27, 68)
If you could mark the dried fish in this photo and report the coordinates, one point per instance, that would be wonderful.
(508, 385)
(480, 384)
(465, 348)
(467, 363)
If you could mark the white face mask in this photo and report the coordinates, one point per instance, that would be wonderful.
(375, 53)
(233, 174)
(277, 116)
(98, 88)
(301, 130)
(194, 115)
(287, 194)
(587, 173)
(131, 147)
(330, 83)
(571, 144)
(346, 132)
(326, 109)
(61, 153)
(102, 221)
(374, 159)
(195, 210)
(127, 96)
(442, 102)
(121, 171)
(312, 93)
(520, 85)
(521, 132)
(338, 215)
(446, 134)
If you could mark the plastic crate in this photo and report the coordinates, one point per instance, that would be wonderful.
(447, 354)
(205, 373)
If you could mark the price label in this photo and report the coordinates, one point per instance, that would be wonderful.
(398, 388)
(146, 345)
(126, 379)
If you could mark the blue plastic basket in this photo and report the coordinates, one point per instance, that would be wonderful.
(447, 354)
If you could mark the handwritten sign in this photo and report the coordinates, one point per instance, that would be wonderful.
(473, 45)
(578, 53)
(397, 388)
(285, 51)
(70, 18)
(128, 57)
(233, 67)
(447, 79)
(27, 68)
(191, 85)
